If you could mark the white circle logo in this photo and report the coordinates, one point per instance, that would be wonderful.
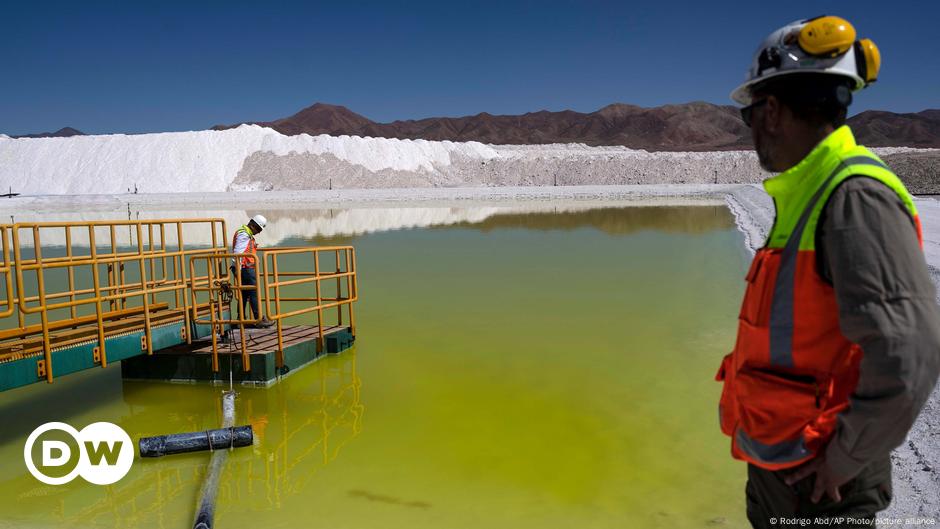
(102, 453)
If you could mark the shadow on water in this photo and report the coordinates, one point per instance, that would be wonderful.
(23, 409)
(381, 498)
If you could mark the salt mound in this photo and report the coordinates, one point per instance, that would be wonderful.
(200, 161)
(251, 158)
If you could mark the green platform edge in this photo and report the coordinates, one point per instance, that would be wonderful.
(75, 358)
(192, 368)
(136, 364)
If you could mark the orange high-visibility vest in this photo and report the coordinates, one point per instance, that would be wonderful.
(792, 371)
(246, 262)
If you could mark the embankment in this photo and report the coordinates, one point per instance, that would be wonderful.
(253, 158)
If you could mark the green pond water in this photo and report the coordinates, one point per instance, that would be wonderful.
(540, 370)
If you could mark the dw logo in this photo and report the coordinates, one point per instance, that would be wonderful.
(102, 453)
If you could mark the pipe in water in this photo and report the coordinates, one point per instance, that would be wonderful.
(205, 509)
(178, 443)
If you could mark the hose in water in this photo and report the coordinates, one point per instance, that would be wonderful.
(162, 445)
(205, 508)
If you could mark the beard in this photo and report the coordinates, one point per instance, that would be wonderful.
(763, 156)
(762, 147)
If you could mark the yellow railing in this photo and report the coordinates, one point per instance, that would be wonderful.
(81, 282)
(96, 251)
(338, 272)
(221, 292)
(280, 269)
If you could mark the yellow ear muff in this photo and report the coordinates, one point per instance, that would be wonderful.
(867, 60)
(827, 36)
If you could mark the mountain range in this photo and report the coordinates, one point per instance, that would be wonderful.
(696, 126)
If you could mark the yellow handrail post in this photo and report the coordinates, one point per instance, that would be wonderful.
(355, 293)
(279, 354)
(339, 290)
(153, 275)
(71, 270)
(112, 271)
(15, 282)
(97, 286)
(143, 285)
(163, 265)
(316, 272)
(187, 320)
(176, 272)
(44, 314)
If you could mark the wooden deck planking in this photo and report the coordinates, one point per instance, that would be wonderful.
(258, 341)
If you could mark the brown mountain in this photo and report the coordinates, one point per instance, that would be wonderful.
(325, 119)
(64, 132)
(696, 126)
(878, 128)
(692, 126)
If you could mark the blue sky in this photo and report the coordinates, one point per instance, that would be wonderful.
(161, 66)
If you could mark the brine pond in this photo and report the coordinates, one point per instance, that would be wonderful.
(513, 368)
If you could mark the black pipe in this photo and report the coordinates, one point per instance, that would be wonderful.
(179, 443)
(205, 508)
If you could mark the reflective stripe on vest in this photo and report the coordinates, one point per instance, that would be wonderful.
(781, 308)
(784, 452)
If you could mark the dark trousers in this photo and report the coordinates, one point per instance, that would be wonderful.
(249, 297)
(770, 499)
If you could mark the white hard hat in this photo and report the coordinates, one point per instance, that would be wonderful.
(823, 44)
(260, 220)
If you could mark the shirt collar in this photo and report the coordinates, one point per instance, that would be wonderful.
(837, 142)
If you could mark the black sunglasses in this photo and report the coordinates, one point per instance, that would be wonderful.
(746, 111)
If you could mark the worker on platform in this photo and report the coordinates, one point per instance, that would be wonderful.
(838, 341)
(244, 243)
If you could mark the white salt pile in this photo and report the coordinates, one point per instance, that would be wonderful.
(197, 161)
(256, 158)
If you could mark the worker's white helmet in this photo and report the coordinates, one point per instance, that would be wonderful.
(260, 220)
(823, 44)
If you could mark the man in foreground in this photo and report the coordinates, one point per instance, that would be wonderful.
(838, 341)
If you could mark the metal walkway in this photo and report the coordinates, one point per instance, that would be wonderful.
(79, 295)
